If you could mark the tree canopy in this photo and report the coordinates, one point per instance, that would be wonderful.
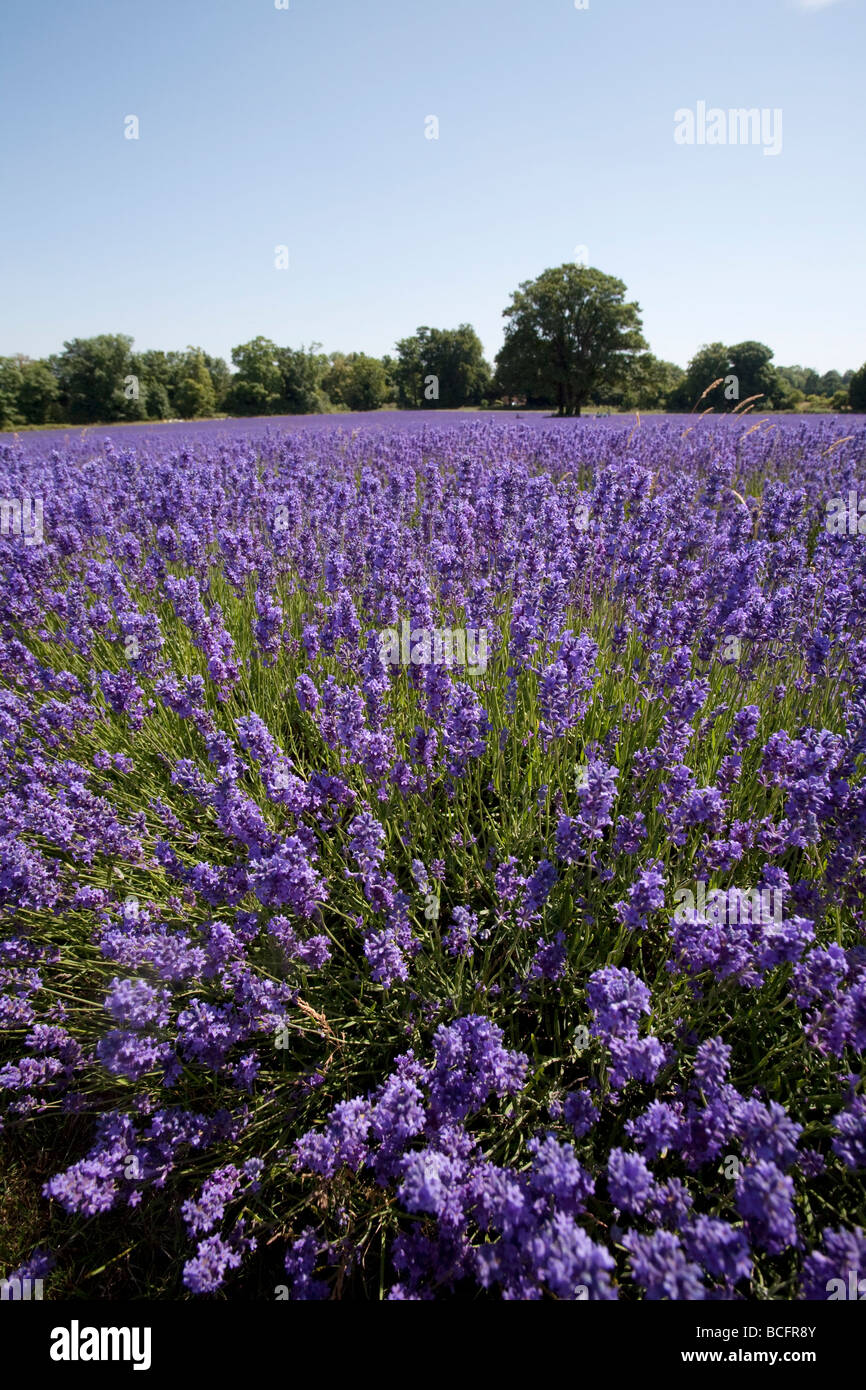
(572, 340)
(857, 390)
(723, 378)
(567, 332)
(441, 367)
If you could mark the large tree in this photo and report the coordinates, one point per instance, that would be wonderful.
(568, 332)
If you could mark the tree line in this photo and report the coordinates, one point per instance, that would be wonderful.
(572, 341)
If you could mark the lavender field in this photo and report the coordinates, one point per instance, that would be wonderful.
(432, 859)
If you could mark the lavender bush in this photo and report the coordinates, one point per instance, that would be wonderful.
(330, 976)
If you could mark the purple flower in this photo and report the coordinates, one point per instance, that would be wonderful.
(645, 895)
(660, 1265)
(836, 1271)
(765, 1198)
(617, 998)
(460, 935)
(850, 1127)
(629, 1181)
(580, 1111)
(209, 1207)
(301, 1260)
(722, 1249)
(286, 878)
(206, 1272)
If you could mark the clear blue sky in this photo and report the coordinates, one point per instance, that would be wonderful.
(306, 127)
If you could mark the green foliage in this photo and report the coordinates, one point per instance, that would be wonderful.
(649, 384)
(257, 387)
(724, 378)
(857, 391)
(822, 392)
(831, 382)
(96, 377)
(220, 376)
(10, 388)
(569, 332)
(157, 374)
(272, 380)
(571, 340)
(302, 371)
(441, 367)
(186, 384)
(195, 395)
(38, 392)
(356, 382)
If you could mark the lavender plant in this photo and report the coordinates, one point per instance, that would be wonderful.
(327, 975)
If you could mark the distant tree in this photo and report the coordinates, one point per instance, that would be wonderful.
(357, 382)
(795, 376)
(389, 365)
(441, 368)
(249, 398)
(195, 395)
(857, 391)
(159, 406)
(812, 384)
(783, 397)
(710, 364)
(157, 372)
(302, 371)
(456, 358)
(220, 376)
(650, 382)
(723, 378)
(335, 381)
(97, 382)
(38, 392)
(839, 400)
(10, 389)
(257, 387)
(831, 382)
(408, 371)
(755, 374)
(569, 332)
(369, 387)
